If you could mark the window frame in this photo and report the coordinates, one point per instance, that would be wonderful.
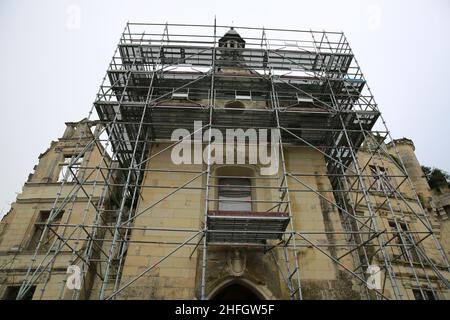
(16, 287)
(237, 204)
(39, 228)
(405, 229)
(428, 293)
(65, 170)
(382, 180)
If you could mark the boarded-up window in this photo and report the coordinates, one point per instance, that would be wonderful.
(235, 194)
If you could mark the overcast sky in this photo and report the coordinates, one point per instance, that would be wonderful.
(54, 54)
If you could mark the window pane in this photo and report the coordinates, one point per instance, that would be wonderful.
(235, 194)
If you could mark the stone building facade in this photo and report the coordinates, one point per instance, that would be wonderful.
(130, 223)
(179, 277)
(23, 236)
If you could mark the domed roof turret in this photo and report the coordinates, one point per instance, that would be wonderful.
(232, 37)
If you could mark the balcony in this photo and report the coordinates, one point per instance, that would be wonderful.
(245, 227)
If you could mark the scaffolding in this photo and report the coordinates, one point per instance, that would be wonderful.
(315, 96)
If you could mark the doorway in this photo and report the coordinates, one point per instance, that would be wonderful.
(236, 291)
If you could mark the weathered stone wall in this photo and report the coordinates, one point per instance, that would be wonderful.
(171, 220)
(179, 276)
(313, 211)
(175, 277)
(37, 196)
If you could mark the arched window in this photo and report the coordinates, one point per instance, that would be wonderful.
(235, 105)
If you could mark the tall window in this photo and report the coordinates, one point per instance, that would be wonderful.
(235, 194)
(66, 172)
(38, 230)
(405, 240)
(382, 180)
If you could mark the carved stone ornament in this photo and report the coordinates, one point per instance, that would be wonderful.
(236, 263)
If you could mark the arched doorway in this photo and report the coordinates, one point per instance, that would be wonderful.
(236, 291)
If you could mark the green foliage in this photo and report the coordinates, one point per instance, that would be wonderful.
(436, 177)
